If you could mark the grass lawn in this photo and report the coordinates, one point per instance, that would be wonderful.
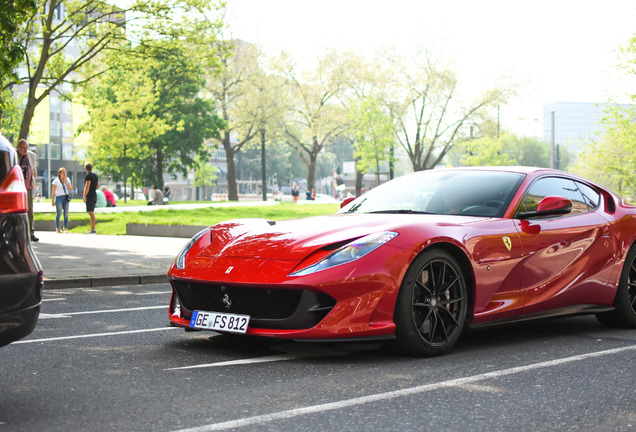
(115, 223)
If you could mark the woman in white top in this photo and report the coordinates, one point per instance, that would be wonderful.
(60, 197)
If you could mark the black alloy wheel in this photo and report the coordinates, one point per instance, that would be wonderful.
(624, 313)
(430, 312)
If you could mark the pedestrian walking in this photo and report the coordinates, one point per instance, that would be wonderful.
(30, 172)
(60, 198)
(91, 183)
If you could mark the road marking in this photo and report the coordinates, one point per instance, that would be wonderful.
(53, 299)
(283, 415)
(292, 352)
(92, 335)
(281, 357)
(70, 314)
(153, 293)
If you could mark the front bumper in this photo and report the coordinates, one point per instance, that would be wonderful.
(297, 312)
(272, 308)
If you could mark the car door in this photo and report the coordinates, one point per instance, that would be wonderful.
(566, 257)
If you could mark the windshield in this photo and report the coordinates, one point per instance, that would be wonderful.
(460, 192)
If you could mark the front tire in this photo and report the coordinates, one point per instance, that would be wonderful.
(624, 313)
(430, 312)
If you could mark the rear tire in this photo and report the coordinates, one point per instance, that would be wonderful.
(624, 313)
(430, 312)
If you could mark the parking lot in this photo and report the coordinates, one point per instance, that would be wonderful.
(104, 359)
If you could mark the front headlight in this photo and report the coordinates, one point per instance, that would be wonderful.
(180, 262)
(350, 252)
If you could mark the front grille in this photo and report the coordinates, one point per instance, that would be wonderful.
(267, 307)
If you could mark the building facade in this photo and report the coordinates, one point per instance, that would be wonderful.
(575, 123)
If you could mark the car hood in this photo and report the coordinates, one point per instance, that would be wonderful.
(295, 239)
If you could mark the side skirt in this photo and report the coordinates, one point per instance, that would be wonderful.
(561, 312)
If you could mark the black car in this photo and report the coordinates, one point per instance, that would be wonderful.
(20, 271)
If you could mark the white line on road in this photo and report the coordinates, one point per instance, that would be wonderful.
(153, 293)
(92, 335)
(273, 358)
(282, 415)
(70, 314)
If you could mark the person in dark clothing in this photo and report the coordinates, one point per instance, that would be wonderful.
(91, 183)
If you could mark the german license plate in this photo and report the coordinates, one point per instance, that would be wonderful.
(226, 322)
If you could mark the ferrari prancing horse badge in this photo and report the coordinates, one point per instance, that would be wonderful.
(507, 242)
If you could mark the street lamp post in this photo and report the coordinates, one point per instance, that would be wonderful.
(263, 165)
(552, 149)
(124, 168)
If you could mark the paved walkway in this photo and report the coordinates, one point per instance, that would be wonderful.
(78, 206)
(89, 260)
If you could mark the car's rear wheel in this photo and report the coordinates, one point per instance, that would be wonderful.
(624, 313)
(431, 307)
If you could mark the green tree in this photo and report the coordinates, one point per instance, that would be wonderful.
(262, 109)
(86, 29)
(374, 132)
(13, 14)
(149, 116)
(191, 118)
(316, 116)
(611, 160)
(507, 149)
(205, 174)
(487, 151)
(120, 122)
(429, 113)
(279, 163)
(366, 84)
(229, 87)
(10, 114)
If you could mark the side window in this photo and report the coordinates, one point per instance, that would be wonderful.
(590, 196)
(554, 186)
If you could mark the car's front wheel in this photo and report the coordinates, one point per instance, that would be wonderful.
(624, 313)
(431, 306)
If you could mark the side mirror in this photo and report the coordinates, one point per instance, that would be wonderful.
(346, 201)
(554, 205)
(549, 206)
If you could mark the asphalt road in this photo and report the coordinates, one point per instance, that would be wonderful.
(103, 359)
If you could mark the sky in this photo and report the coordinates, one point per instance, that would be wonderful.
(554, 51)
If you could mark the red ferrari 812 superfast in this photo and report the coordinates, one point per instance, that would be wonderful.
(417, 260)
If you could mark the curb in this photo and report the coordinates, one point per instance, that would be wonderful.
(93, 282)
(182, 231)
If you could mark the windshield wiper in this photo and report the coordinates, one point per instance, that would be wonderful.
(400, 211)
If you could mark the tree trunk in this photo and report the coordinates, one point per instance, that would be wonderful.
(159, 180)
(27, 117)
(232, 189)
(311, 172)
(359, 177)
(311, 166)
(32, 99)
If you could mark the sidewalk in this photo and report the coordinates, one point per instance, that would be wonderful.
(91, 260)
(88, 260)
